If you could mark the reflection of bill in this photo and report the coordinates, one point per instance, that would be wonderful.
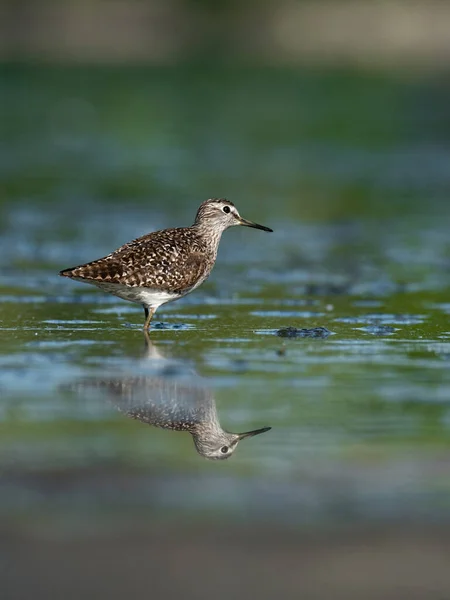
(165, 401)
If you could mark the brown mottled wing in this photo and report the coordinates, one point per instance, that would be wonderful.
(171, 260)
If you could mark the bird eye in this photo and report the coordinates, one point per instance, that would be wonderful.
(226, 209)
(224, 449)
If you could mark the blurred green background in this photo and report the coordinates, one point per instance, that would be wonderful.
(327, 121)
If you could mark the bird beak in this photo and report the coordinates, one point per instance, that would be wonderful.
(254, 225)
(241, 436)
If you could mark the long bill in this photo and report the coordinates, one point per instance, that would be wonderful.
(246, 434)
(254, 225)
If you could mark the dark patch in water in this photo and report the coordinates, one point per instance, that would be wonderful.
(293, 332)
(326, 289)
(172, 370)
(160, 325)
(239, 365)
(163, 325)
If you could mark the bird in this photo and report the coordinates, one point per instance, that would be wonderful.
(164, 265)
(172, 398)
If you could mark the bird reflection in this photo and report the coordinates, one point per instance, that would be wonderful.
(170, 399)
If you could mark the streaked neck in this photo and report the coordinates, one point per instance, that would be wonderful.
(210, 234)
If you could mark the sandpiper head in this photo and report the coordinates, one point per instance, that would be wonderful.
(220, 214)
(220, 444)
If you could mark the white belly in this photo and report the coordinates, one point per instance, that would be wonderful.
(140, 295)
(154, 298)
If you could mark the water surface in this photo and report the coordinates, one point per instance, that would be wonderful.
(351, 171)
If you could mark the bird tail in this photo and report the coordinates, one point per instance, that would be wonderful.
(67, 272)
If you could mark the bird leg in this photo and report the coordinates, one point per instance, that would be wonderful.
(148, 343)
(149, 312)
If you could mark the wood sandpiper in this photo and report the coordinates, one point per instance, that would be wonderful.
(165, 265)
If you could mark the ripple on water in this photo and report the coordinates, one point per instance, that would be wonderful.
(22, 299)
(194, 316)
(384, 319)
(377, 329)
(117, 309)
(442, 306)
(52, 344)
(300, 314)
(367, 303)
(402, 392)
(72, 322)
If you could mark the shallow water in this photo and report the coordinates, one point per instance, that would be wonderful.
(356, 190)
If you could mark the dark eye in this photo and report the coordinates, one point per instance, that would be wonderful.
(226, 209)
(224, 449)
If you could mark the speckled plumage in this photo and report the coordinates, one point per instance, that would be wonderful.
(172, 260)
(164, 265)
